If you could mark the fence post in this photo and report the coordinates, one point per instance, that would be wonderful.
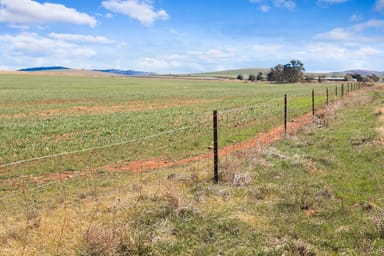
(342, 90)
(313, 102)
(285, 114)
(336, 92)
(215, 148)
(327, 97)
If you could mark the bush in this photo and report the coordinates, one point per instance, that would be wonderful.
(252, 78)
(240, 77)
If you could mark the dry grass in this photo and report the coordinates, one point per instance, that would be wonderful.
(99, 240)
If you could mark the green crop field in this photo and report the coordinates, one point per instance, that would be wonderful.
(48, 115)
(66, 142)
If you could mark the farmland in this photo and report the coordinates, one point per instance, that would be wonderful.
(45, 115)
(61, 136)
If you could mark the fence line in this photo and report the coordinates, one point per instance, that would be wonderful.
(87, 191)
(94, 148)
(293, 108)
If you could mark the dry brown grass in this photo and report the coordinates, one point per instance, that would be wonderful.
(99, 240)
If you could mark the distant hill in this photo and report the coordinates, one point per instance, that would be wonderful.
(126, 72)
(234, 72)
(42, 69)
(111, 71)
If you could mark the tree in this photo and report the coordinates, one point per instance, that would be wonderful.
(293, 71)
(276, 73)
(252, 77)
(240, 77)
(348, 78)
(288, 73)
(358, 77)
(260, 76)
(374, 78)
(309, 78)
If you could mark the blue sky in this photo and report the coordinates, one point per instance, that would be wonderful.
(185, 36)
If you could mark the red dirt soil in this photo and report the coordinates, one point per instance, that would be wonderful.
(262, 139)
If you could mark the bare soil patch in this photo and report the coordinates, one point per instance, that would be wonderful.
(262, 139)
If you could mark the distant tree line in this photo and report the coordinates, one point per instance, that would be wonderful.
(252, 77)
(293, 72)
(359, 78)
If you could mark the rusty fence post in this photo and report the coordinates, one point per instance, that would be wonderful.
(215, 149)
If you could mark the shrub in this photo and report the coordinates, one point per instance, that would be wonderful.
(252, 77)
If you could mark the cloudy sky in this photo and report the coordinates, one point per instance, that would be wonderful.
(183, 36)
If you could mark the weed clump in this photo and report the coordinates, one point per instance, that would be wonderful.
(99, 240)
(301, 248)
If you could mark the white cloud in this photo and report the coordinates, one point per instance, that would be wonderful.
(81, 38)
(332, 1)
(267, 48)
(32, 49)
(20, 27)
(355, 33)
(265, 8)
(340, 34)
(379, 6)
(356, 17)
(28, 11)
(326, 50)
(333, 56)
(367, 51)
(141, 10)
(212, 55)
(196, 60)
(289, 4)
(327, 3)
(374, 23)
(265, 5)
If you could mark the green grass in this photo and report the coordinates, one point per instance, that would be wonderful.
(48, 115)
(319, 192)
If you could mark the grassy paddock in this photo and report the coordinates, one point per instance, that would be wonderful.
(317, 193)
(48, 115)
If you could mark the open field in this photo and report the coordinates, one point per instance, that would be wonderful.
(48, 115)
(89, 203)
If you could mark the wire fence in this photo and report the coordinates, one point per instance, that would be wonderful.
(31, 187)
